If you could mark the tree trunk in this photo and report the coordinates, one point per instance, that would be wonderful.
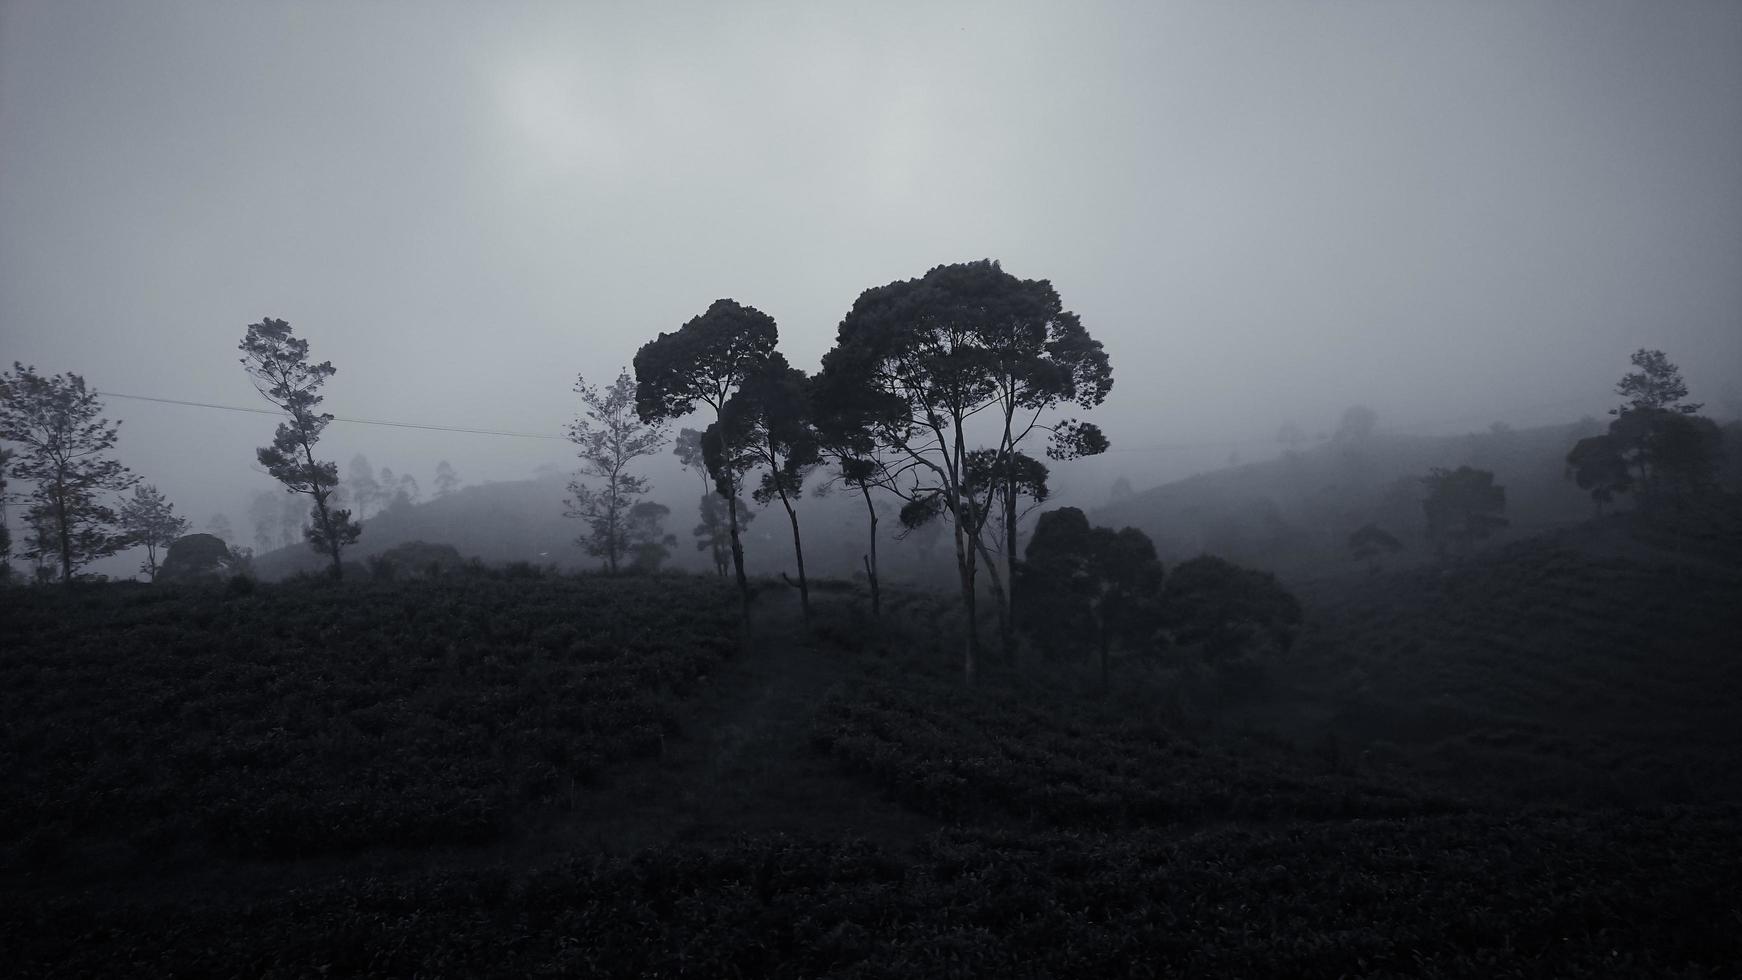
(871, 559)
(1008, 628)
(1000, 603)
(804, 589)
(66, 536)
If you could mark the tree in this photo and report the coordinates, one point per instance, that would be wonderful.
(920, 361)
(688, 450)
(1656, 446)
(713, 534)
(1656, 385)
(610, 437)
(278, 364)
(407, 490)
(1079, 582)
(5, 524)
(366, 491)
(219, 527)
(769, 421)
(649, 545)
(1597, 464)
(1370, 543)
(1227, 611)
(1463, 506)
(150, 519)
(64, 444)
(446, 480)
(706, 361)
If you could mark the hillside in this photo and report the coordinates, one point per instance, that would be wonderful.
(1293, 514)
(1524, 765)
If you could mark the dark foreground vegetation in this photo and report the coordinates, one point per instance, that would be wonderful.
(1524, 763)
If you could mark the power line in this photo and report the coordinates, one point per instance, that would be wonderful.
(336, 418)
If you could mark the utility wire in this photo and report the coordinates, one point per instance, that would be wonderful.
(336, 418)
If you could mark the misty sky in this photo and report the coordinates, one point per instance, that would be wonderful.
(1453, 212)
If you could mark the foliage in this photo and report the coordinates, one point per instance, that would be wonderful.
(649, 545)
(417, 559)
(1083, 585)
(150, 520)
(610, 437)
(713, 534)
(915, 361)
(1228, 612)
(446, 479)
(278, 364)
(1596, 464)
(1655, 385)
(767, 424)
(64, 444)
(299, 720)
(706, 361)
(198, 556)
(1462, 506)
(1458, 896)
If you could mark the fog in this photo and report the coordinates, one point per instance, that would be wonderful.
(1454, 213)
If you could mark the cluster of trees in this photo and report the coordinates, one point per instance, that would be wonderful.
(1083, 584)
(934, 387)
(1658, 449)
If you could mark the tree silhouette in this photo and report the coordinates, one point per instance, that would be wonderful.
(1463, 506)
(1080, 582)
(649, 545)
(919, 360)
(768, 419)
(446, 480)
(366, 490)
(150, 520)
(687, 447)
(64, 445)
(706, 361)
(610, 437)
(278, 364)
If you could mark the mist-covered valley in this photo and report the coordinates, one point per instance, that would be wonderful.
(958, 490)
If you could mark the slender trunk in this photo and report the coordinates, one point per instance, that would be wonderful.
(320, 496)
(151, 560)
(964, 555)
(1008, 635)
(1000, 602)
(732, 527)
(871, 559)
(804, 589)
(66, 535)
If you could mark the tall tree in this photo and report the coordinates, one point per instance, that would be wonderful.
(149, 519)
(844, 437)
(64, 445)
(922, 360)
(1597, 464)
(770, 420)
(706, 361)
(1462, 506)
(219, 526)
(1654, 385)
(446, 480)
(278, 364)
(5, 522)
(610, 437)
(6, 457)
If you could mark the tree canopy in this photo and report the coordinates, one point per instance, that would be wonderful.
(64, 444)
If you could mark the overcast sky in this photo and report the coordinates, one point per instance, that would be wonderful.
(1452, 212)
